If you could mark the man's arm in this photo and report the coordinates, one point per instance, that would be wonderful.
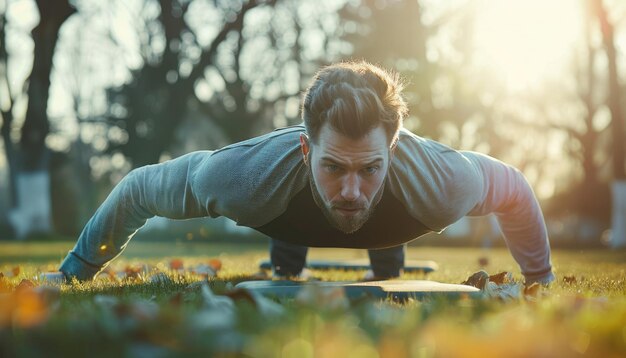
(165, 189)
(507, 194)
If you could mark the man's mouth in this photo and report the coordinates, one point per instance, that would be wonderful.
(348, 211)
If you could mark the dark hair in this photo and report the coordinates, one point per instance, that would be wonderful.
(354, 98)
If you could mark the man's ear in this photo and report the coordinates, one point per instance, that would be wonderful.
(304, 147)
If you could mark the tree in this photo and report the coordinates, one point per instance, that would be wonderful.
(243, 79)
(443, 92)
(9, 98)
(29, 165)
(614, 101)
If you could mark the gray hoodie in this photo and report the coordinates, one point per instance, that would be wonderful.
(263, 183)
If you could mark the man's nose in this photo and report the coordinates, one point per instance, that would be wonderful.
(350, 190)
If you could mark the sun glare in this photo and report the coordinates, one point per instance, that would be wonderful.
(523, 42)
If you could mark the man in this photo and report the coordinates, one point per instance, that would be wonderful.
(350, 177)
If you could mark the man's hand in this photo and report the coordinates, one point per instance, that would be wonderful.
(55, 277)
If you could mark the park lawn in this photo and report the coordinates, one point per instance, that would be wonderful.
(582, 314)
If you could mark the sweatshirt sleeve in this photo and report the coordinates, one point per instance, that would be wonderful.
(250, 182)
(169, 189)
(506, 193)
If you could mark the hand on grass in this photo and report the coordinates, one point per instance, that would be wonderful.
(55, 277)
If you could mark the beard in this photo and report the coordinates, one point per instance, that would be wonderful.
(346, 224)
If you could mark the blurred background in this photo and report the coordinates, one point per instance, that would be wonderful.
(91, 89)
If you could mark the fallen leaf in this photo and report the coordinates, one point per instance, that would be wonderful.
(15, 271)
(483, 261)
(569, 279)
(4, 284)
(24, 307)
(241, 295)
(177, 299)
(267, 307)
(212, 300)
(531, 292)
(109, 273)
(132, 272)
(478, 279)
(204, 270)
(501, 278)
(25, 284)
(505, 292)
(216, 264)
(176, 264)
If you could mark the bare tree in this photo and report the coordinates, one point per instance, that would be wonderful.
(618, 239)
(241, 80)
(29, 164)
(9, 98)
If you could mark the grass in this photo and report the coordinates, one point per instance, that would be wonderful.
(581, 315)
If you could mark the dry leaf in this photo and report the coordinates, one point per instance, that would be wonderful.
(24, 307)
(531, 292)
(216, 264)
(569, 279)
(483, 261)
(263, 304)
(505, 292)
(218, 311)
(25, 284)
(176, 264)
(241, 295)
(204, 270)
(177, 299)
(212, 300)
(132, 272)
(4, 284)
(501, 278)
(478, 279)
(109, 273)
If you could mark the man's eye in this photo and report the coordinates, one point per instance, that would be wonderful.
(371, 170)
(331, 168)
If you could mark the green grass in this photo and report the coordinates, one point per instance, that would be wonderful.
(584, 316)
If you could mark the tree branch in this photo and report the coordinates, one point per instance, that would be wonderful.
(207, 56)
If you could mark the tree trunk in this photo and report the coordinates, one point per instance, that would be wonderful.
(32, 212)
(9, 152)
(7, 115)
(618, 225)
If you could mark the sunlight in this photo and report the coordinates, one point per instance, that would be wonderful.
(523, 42)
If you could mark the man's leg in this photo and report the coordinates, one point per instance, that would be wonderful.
(287, 259)
(387, 263)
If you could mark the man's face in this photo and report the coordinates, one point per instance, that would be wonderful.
(347, 175)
